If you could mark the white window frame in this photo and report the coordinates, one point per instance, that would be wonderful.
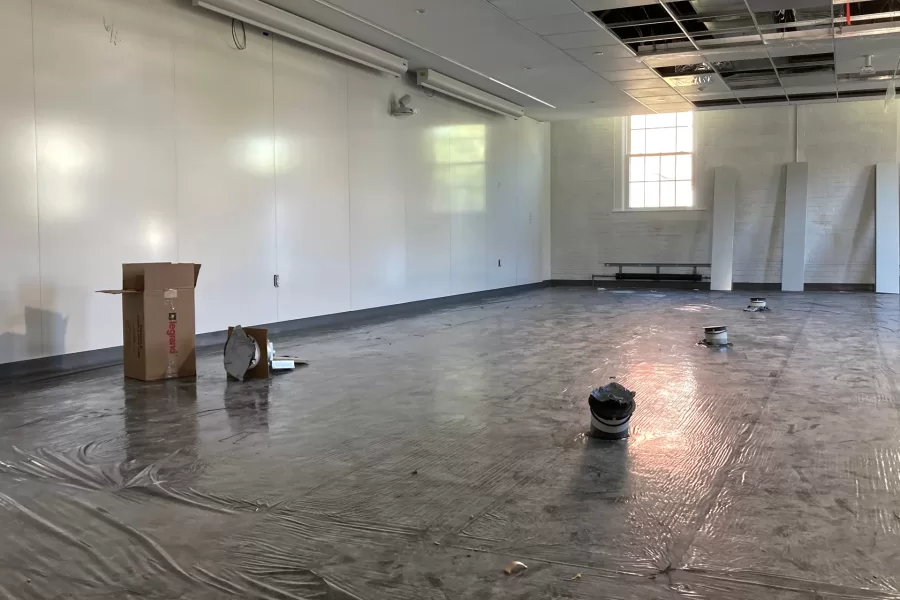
(622, 143)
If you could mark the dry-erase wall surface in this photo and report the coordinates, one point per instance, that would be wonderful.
(841, 142)
(135, 131)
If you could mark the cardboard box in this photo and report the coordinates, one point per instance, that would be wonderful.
(158, 320)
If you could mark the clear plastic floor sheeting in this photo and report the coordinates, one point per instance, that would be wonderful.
(415, 458)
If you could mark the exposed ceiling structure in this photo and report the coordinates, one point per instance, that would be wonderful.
(580, 58)
(751, 52)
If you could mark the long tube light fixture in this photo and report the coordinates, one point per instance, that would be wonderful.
(448, 86)
(275, 20)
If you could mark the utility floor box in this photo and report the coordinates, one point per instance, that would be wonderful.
(158, 335)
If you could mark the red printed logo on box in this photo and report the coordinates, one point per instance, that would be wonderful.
(173, 349)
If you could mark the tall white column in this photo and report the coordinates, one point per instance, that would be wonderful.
(724, 193)
(793, 259)
(887, 228)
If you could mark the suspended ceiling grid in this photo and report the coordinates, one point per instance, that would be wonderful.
(582, 58)
(725, 53)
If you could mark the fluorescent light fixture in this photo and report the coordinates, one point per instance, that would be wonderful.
(462, 91)
(289, 25)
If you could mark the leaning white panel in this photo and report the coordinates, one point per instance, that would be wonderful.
(793, 260)
(887, 228)
(724, 192)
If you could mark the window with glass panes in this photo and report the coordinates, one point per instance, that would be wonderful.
(660, 160)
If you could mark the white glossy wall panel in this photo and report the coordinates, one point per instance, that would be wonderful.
(312, 184)
(887, 228)
(225, 152)
(500, 164)
(531, 199)
(105, 159)
(467, 188)
(20, 294)
(377, 203)
(152, 138)
(546, 200)
(426, 152)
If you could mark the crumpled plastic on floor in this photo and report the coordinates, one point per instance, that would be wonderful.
(775, 477)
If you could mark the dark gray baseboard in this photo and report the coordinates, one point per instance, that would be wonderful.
(632, 284)
(839, 287)
(52, 366)
(755, 287)
(695, 285)
(809, 287)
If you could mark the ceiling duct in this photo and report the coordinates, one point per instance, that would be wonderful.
(289, 25)
(471, 95)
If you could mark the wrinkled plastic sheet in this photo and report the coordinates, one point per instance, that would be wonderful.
(778, 485)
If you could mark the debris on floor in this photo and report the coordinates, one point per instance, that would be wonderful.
(243, 355)
(515, 567)
(241, 352)
(715, 336)
(757, 305)
(611, 408)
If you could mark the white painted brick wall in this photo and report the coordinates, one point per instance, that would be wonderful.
(842, 143)
(586, 230)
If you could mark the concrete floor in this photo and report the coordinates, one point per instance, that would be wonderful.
(415, 458)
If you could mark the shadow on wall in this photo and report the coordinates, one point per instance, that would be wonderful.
(44, 334)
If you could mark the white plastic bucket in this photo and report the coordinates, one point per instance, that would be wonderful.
(612, 429)
(715, 335)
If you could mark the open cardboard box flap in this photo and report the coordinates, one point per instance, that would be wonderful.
(141, 277)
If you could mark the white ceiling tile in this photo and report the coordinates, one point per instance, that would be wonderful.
(533, 9)
(653, 100)
(574, 23)
(795, 48)
(630, 75)
(583, 39)
(562, 85)
(697, 96)
(609, 53)
(655, 93)
(671, 60)
(641, 84)
(602, 64)
(589, 111)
